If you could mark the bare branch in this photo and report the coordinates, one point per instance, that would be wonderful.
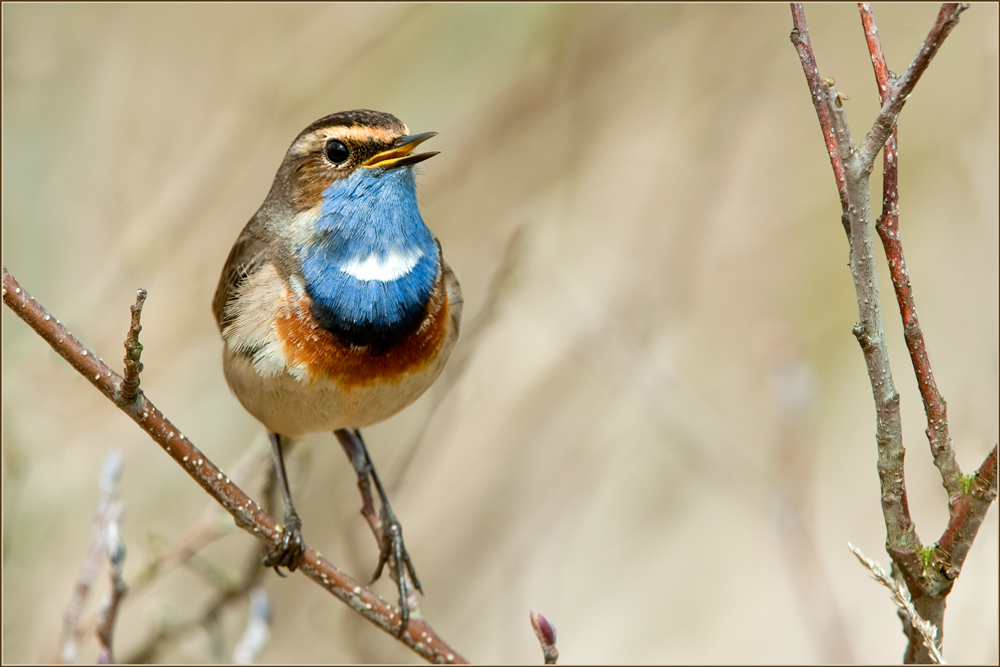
(249, 516)
(929, 573)
(800, 38)
(882, 74)
(887, 227)
(901, 540)
(967, 515)
(947, 19)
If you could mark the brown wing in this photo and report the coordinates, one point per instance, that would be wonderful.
(247, 256)
(454, 294)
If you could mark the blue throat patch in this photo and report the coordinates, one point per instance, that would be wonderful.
(371, 264)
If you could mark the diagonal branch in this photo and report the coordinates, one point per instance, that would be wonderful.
(249, 516)
(968, 500)
(947, 19)
(901, 539)
(888, 230)
(967, 514)
(800, 38)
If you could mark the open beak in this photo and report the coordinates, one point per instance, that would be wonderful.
(401, 153)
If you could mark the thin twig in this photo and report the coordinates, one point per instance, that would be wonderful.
(881, 129)
(133, 349)
(800, 38)
(252, 468)
(882, 74)
(249, 516)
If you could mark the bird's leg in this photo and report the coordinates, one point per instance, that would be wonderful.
(387, 529)
(291, 550)
(356, 451)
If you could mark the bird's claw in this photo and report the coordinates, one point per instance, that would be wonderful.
(291, 550)
(392, 546)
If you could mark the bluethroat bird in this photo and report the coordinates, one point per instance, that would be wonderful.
(336, 307)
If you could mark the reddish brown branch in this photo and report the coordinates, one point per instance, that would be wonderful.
(800, 38)
(887, 227)
(947, 19)
(967, 514)
(882, 74)
(249, 516)
(928, 573)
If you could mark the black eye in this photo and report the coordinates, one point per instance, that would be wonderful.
(336, 152)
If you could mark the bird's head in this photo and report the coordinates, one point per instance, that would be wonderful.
(367, 258)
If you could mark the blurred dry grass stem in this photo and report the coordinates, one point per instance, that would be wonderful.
(901, 597)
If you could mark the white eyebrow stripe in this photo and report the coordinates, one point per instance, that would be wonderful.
(395, 264)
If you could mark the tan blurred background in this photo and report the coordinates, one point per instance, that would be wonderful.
(657, 428)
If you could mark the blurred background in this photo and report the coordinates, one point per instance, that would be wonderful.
(656, 428)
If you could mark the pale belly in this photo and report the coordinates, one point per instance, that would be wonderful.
(291, 406)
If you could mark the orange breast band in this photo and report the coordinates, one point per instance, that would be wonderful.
(307, 344)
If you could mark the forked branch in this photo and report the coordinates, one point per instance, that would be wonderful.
(928, 573)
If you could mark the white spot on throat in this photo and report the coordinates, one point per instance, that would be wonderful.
(395, 264)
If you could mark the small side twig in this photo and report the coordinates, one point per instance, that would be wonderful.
(133, 350)
(109, 608)
(546, 633)
(901, 596)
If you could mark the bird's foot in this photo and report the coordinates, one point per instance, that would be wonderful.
(392, 546)
(290, 551)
